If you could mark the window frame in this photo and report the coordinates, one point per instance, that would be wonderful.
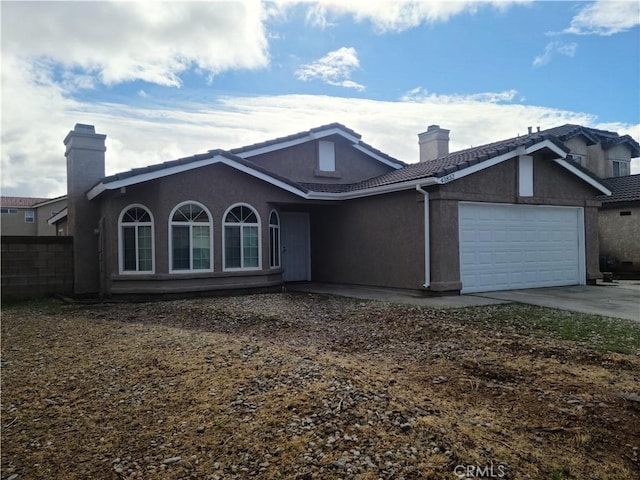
(30, 216)
(226, 224)
(121, 224)
(620, 164)
(326, 156)
(190, 224)
(274, 229)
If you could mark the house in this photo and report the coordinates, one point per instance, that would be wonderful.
(323, 205)
(29, 216)
(606, 154)
(619, 226)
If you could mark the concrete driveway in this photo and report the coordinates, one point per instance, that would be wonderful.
(619, 299)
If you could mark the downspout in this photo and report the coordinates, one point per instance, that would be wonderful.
(427, 239)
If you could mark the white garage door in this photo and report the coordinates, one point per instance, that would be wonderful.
(506, 247)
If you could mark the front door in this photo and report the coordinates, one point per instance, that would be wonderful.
(296, 246)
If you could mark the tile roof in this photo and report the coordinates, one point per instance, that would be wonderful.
(294, 136)
(308, 133)
(606, 138)
(196, 158)
(23, 202)
(159, 166)
(440, 167)
(623, 189)
(455, 161)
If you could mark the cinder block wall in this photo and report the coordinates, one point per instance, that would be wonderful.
(36, 266)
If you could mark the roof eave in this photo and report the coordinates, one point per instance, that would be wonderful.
(58, 216)
(228, 160)
(368, 192)
(582, 175)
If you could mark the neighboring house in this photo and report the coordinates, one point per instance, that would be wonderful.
(619, 226)
(605, 154)
(322, 205)
(29, 216)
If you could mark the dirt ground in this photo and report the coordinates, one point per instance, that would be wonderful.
(302, 386)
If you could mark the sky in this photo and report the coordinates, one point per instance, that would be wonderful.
(165, 80)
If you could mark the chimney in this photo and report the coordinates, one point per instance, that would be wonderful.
(85, 167)
(434, 143)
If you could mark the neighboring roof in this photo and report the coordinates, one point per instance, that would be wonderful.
(50, 201)
(606, 138)
(21, 202)
(623, 189)
(61, 215)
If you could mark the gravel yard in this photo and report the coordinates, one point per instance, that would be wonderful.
(305, 386)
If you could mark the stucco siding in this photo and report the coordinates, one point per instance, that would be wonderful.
(217, 187)
(300, 163)
(371, 241)
(619, 234)
(15, 224)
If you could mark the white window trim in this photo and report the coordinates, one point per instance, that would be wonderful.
(190, 224)
(326, 156)
(525, 176)
(224, 225)
(277, 228)
(121, 269)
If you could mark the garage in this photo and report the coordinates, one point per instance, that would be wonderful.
(508, 247)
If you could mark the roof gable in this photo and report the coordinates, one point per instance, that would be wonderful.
(317, 133)
(152, 172)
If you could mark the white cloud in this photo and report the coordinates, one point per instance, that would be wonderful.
(114, 42)
(334, 68)
(421, 95)
(36, 122)
(395, 16)
(552, 48)
(605, 17)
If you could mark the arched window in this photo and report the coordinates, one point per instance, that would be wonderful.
(241, 238)
(190, 238)
(274, 240)
(135, 240)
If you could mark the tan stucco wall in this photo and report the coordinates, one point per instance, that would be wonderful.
(44, 213)
(620, 234)
(14, 224)
(618, 153)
